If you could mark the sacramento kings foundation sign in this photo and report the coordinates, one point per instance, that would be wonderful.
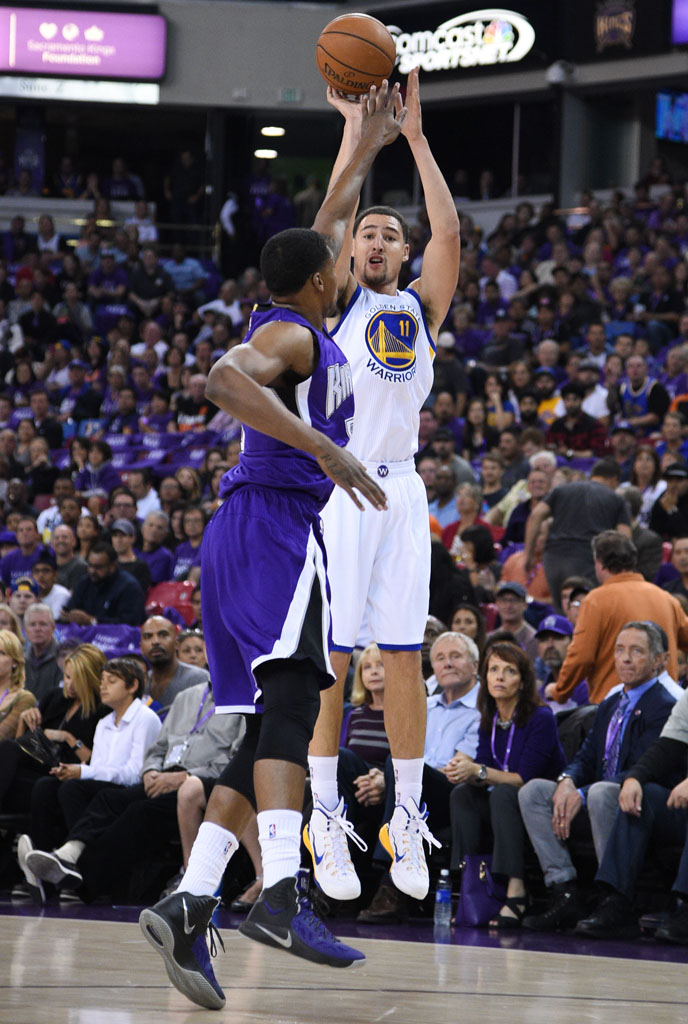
(479, 38)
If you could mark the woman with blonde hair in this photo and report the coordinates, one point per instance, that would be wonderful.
(190, 482)
(14, 697)
(9, 621)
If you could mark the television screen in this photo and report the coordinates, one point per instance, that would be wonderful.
(672, 116)
(679, 23)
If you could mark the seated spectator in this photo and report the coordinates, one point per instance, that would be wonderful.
(190, 483)
(177, 776)
(477, 557)
(20, 561)
(43, 673)
(511, 604)
(122, 505)
(119, 745)
(443, 506)
(70, 567)
(517, 741)
(168, 675)
(187, 555)
(652, 806)
(468, 505)
(443, 447)
(469, 620)
(451, 737)
(576, 434)
(673, 441)
(585, 796)
(148, 283)
(553, 637)
(123, 535)
(88, 533)
(642, 401)
(50, 592)
(648, 543)
(79, 401)
(492, 471)
(170, 494)
(40, 474)
(23, 592)
(538, 484)
(50, 517)
(15, 696)
(669, 514)
(188, 276)
(107, 594)
(107, 284)
(679, 560)
(99, 475)
(159, 558)
(449, 585)
(515, 464)
(195, 411)
(46, 424)
(8, 620)
(478, 437)
(140, 482)
(191, 647)
(646, 475)
(126, 419)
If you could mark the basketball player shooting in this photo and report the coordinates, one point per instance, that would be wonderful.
(379, 566)
(265, 610)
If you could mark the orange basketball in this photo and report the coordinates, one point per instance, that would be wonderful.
(354, 52)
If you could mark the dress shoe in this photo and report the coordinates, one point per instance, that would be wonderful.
(242, 904)
(674, 927)
(613, 919)
(388, 906)
(565, 910)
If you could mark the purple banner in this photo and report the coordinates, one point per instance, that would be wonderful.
(679, 23)
(82, 43)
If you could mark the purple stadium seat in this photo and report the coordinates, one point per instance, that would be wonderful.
(119, 441)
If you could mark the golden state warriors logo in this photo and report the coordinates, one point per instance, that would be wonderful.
(391, 339)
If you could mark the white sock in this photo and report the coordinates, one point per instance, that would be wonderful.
(324, 780)
(209, 857)
(71, 850)
(279, 833)
(408, 779)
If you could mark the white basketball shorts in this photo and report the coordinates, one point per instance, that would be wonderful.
(378, 563)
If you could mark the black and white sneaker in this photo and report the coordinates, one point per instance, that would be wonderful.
(176, 928)
(51, 868)
(283, 917)
(32, 889)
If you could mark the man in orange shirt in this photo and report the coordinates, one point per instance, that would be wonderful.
(622, 597)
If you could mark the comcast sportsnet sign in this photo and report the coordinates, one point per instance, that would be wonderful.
(479, 38)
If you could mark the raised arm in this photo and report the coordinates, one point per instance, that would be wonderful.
(440, 272)
(382, 117)
(350, 109)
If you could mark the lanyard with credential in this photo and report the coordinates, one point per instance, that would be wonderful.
(201, 721)
(510, 738)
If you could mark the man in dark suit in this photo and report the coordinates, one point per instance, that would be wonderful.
(586, 792)
(652, 806)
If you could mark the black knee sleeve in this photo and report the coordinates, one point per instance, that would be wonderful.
(238, 774)
(291, 702)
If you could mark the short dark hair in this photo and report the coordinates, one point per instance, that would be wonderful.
(615, 552)
(528, 700)
(483, 545)
(103, 447)
(290, 257)
(130, 671)
(608, 469)
(384, 211)
(102, 547)
(46, 557)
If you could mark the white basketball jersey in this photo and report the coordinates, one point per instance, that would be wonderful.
(389, 348)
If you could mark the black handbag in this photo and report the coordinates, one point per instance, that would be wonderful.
(481, 897)
(37, 745)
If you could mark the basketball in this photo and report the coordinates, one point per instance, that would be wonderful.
(354, 52)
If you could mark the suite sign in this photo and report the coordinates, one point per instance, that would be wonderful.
(101, 44)
(479, 38)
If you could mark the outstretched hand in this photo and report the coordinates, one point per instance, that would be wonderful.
(382, 114)
(349, 107)
(348, 473)
(412, 126)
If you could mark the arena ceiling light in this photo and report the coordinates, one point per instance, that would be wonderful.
(273, 131)
(265, 154)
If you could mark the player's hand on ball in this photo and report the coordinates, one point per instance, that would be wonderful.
(348, 473)
(348, 106)
(382, 114)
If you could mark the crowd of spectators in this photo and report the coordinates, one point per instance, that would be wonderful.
(556, 422)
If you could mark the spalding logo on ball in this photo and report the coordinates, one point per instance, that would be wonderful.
(355, 52)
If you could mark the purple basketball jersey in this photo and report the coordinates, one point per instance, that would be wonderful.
(325, 401)
(263, 568)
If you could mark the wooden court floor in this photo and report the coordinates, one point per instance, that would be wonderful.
(57, 971)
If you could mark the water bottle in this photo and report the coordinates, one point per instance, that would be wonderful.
(443, 904)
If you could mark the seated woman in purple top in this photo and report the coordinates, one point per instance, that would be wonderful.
(188, 553)
(517, 741)
(98, 476)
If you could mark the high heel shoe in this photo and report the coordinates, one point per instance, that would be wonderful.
(242, 904)
(518, 905)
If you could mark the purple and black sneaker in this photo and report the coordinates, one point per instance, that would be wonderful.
(175, 928)
(283, 917)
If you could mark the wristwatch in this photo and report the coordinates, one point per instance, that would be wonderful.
(482, 773)
(564, 775)
(78, 744)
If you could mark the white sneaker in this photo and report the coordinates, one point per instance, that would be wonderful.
(402, 838)
(24, 848)
(325, 837)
